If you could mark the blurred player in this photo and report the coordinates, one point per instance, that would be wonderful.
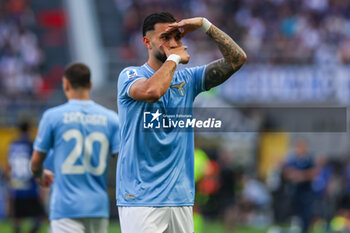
(301, 170)
(81, 135)
(24, 194)
(156, 169)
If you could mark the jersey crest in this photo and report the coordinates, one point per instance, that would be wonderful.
(180, 88)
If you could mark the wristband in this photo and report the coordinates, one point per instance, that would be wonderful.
(205, 25)
(175, 58)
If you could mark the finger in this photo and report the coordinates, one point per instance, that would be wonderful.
(172, 27)
(48, 181)
(45, 183)
(173, 24)
(169, 29)
(181, 23)
(177, 25)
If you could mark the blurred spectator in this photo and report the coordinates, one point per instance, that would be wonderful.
(3, 196)
(347, 178)
(320, 186)
(24, 192)
(256, 200)
(300, 170)
(207, 183)
(255, 192)
(226, 196)
(272, 31)
(341, 221)
(281, 191)
(20, 55)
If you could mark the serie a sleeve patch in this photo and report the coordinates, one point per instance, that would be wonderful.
(131, 73)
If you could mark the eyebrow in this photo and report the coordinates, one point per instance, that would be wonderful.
(177, 31)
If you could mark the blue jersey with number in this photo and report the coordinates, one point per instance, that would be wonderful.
(22, 182)
(156, 168)
(80, 134)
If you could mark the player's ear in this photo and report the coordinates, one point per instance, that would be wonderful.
(147, 42)
(90, 85)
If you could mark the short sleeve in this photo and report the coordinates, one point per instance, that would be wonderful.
(115, 134)
(126, 78)
(197, 78)
(44, 138)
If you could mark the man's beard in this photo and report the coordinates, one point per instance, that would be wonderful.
(161, 57)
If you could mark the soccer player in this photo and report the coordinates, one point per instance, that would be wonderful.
(81, 135)
(155, 171)
(24, 192)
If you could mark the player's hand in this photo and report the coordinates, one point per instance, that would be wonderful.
(181, 51)
(46, 178)
(186, 25)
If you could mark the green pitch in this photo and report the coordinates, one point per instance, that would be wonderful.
(210, 227)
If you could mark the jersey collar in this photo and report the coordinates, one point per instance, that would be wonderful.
(80, 101)
(148, 68)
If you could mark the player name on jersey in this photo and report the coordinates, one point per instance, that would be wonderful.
(78, 117)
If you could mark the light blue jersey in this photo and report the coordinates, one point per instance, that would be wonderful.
(49, 161)
(156, 168)
(80, 134)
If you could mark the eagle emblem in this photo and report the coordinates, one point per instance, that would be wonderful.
(180, 88)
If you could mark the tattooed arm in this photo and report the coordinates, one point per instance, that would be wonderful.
(153, 88)
(218, 71)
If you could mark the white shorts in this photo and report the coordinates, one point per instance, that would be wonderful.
(79, 225)
(156, 219)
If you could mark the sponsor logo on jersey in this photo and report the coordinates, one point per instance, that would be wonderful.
(129, 196)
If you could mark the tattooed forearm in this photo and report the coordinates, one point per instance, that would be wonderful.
(172, 71)
(219, 71)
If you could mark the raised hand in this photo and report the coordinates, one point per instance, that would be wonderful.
(186, 25)
(181, 51)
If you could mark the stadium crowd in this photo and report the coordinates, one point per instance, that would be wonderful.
(272, 31)
(20, 54)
